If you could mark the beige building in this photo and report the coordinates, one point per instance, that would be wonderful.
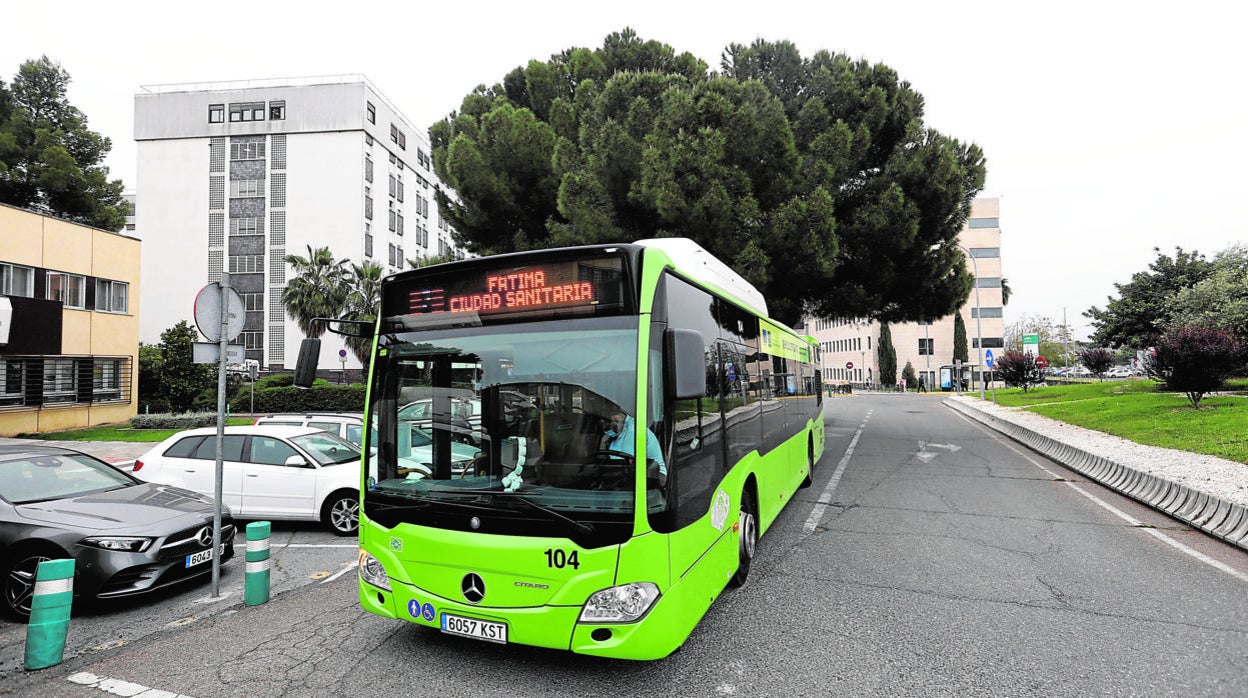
(69, 324)
(849, 345)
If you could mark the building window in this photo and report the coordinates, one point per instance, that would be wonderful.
(988, 282)
(392, 185)
(368, 245)
(368, 140)
(368, 207)
(69, 289)
(59, 381)
(402, 141)
(252, 301)
(983, 223)
(246, 226)
(392, 219)
(17, 281)
(106, 380)
(246, 264)
(251, 340)
(216, 113)
(368, 169)
(372, 113)
(12, 382)
(989, 342)
(985, 312)
(392, 263)
(398, 189)
(250, 150)
(243, 188)
(926, 347)
(982, 252)
(277, 110)
(247, 111)
(394, 137)
(398, 223)
(112, 296)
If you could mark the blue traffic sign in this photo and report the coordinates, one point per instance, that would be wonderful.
(988, 358)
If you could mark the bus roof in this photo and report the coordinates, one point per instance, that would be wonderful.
(694, 261)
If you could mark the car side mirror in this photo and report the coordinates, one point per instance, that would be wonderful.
(297, 462)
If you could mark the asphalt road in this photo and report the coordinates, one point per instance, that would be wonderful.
(943, 560)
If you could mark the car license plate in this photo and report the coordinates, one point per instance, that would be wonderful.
(476, 629)
(202, 556)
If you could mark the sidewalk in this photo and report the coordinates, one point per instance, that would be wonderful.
(1205, 492)
(118, 453)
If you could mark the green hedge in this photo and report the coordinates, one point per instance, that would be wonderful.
(318, 398)
(189, 420)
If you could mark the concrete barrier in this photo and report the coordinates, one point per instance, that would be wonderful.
(1200, 510)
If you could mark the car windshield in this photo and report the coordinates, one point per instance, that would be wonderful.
(38, 478)
(327, 448)
(495, 414)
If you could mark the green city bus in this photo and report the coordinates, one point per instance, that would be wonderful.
(577, 448)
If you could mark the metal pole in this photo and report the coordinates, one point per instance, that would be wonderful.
(223, 343)
(979, 322)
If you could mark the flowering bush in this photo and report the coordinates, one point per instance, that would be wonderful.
(1018, 369)
(1196, 361)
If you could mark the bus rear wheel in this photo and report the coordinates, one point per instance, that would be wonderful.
(747, 538)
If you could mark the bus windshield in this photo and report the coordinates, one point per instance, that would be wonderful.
(507, 427)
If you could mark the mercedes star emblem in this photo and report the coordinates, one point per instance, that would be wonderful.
(204, 536)
(473, 588)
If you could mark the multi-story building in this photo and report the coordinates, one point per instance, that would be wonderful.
(233, 177)
(69, 325)
(849, 346)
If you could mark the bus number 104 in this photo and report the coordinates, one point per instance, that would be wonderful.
(559, 559)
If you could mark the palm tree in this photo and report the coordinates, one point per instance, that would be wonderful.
(363, 297)
(318, 289)
(431, 260)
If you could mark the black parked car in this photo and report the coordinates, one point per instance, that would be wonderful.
(127, 536)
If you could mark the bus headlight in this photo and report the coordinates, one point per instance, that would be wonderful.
(623, 604)
(372, 571)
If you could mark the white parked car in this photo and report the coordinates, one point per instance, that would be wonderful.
(268, 472)
(347, 426)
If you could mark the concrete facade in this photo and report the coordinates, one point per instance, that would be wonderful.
(845, 341)
(233, 177)
(70, 354)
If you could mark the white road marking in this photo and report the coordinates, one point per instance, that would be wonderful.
(118, 687)
(816, 515)
(1116, 512)
(341, 572)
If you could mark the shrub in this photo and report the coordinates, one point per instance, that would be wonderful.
(319, 398)
(909, 376)
(1097, 361)
(1018, 370)
(1195, 361)
(190, 420)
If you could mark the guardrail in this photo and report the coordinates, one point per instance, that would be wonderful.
(1201, 510)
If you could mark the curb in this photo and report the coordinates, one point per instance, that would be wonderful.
(1200, 510)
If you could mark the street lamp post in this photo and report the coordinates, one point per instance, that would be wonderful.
(979, 321)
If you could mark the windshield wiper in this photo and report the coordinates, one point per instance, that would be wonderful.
(426, 502)
(587, 529)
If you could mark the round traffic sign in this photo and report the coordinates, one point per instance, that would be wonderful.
(849, 365)
(342, 353)
(208, 313)
(1041, 362)
(988, 358)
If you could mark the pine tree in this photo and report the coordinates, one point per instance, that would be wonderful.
(886, 356)
(959, 340)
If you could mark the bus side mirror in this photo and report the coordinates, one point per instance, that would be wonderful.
(305, 367)
(685, 362)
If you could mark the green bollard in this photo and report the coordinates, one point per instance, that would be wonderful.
(49, 614)
(256, 586)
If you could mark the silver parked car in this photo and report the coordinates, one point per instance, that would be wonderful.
(126, 536)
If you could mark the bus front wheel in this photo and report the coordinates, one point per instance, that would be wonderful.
(747, 538)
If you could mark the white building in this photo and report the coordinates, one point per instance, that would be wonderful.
(849, 346)
(235, 176)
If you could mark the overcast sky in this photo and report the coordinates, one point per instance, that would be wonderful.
(1109, 128)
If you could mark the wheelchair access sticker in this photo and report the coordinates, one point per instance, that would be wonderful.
(719, 510)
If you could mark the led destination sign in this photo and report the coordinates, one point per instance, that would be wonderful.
(588, 286)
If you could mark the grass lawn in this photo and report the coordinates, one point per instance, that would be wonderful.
(1135, 410)
(117, 432)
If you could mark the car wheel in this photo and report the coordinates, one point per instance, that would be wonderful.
(747, 539)
(18, 573)
(342, 512)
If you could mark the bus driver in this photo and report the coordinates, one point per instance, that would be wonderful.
(620, 436)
